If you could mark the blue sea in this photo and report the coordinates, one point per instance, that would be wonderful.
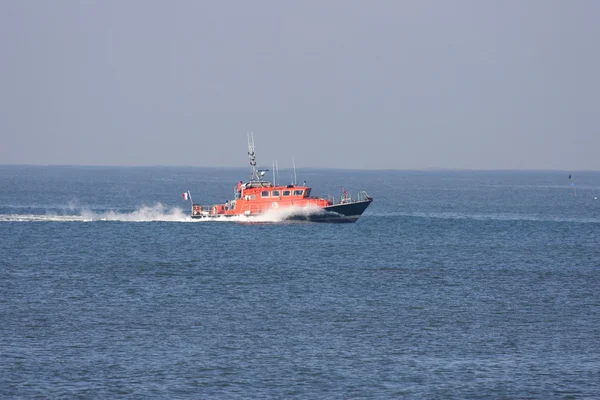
(452, 285)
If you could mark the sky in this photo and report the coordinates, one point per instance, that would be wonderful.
(417, 84)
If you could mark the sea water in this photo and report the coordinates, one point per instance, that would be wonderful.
(453, 284)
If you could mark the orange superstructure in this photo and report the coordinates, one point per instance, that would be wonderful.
(256, 199)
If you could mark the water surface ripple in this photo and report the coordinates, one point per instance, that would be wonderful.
(452, 285)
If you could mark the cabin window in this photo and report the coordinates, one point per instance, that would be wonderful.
(251, 197)
(265, 193)
(275, 193)
(307, 193)
(286, 192)
(298, 192)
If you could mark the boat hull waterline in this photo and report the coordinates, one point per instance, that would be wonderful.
(339, 213)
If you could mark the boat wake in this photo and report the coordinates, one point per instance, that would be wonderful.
(156, 213)
(287, 214)
(161, 213)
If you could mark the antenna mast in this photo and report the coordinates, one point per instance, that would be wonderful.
(253, 172)
(294, 162)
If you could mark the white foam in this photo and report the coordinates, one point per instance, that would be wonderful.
(161, 213)
(272, 215)
(40, 218)
(154, 213)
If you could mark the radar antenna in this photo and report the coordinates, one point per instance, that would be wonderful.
(255, 174)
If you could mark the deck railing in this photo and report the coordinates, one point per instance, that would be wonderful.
(349, 198)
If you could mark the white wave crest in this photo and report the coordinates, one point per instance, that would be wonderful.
(158, 212)
(154, 213)
(273, 215)
(285, 214)
(40, 218)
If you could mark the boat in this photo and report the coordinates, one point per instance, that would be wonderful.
(259, 196)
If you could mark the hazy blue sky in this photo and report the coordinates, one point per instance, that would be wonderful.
(363, 84)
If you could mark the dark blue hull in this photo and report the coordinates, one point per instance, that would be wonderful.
(351, 211)
(339, 213)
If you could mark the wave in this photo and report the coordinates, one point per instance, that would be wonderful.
(40, 218)
(156, 213)
(286, 214)
(161, 213)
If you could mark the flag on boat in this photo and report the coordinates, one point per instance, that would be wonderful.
(186, 196)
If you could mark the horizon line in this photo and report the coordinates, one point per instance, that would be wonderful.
(425, 169)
